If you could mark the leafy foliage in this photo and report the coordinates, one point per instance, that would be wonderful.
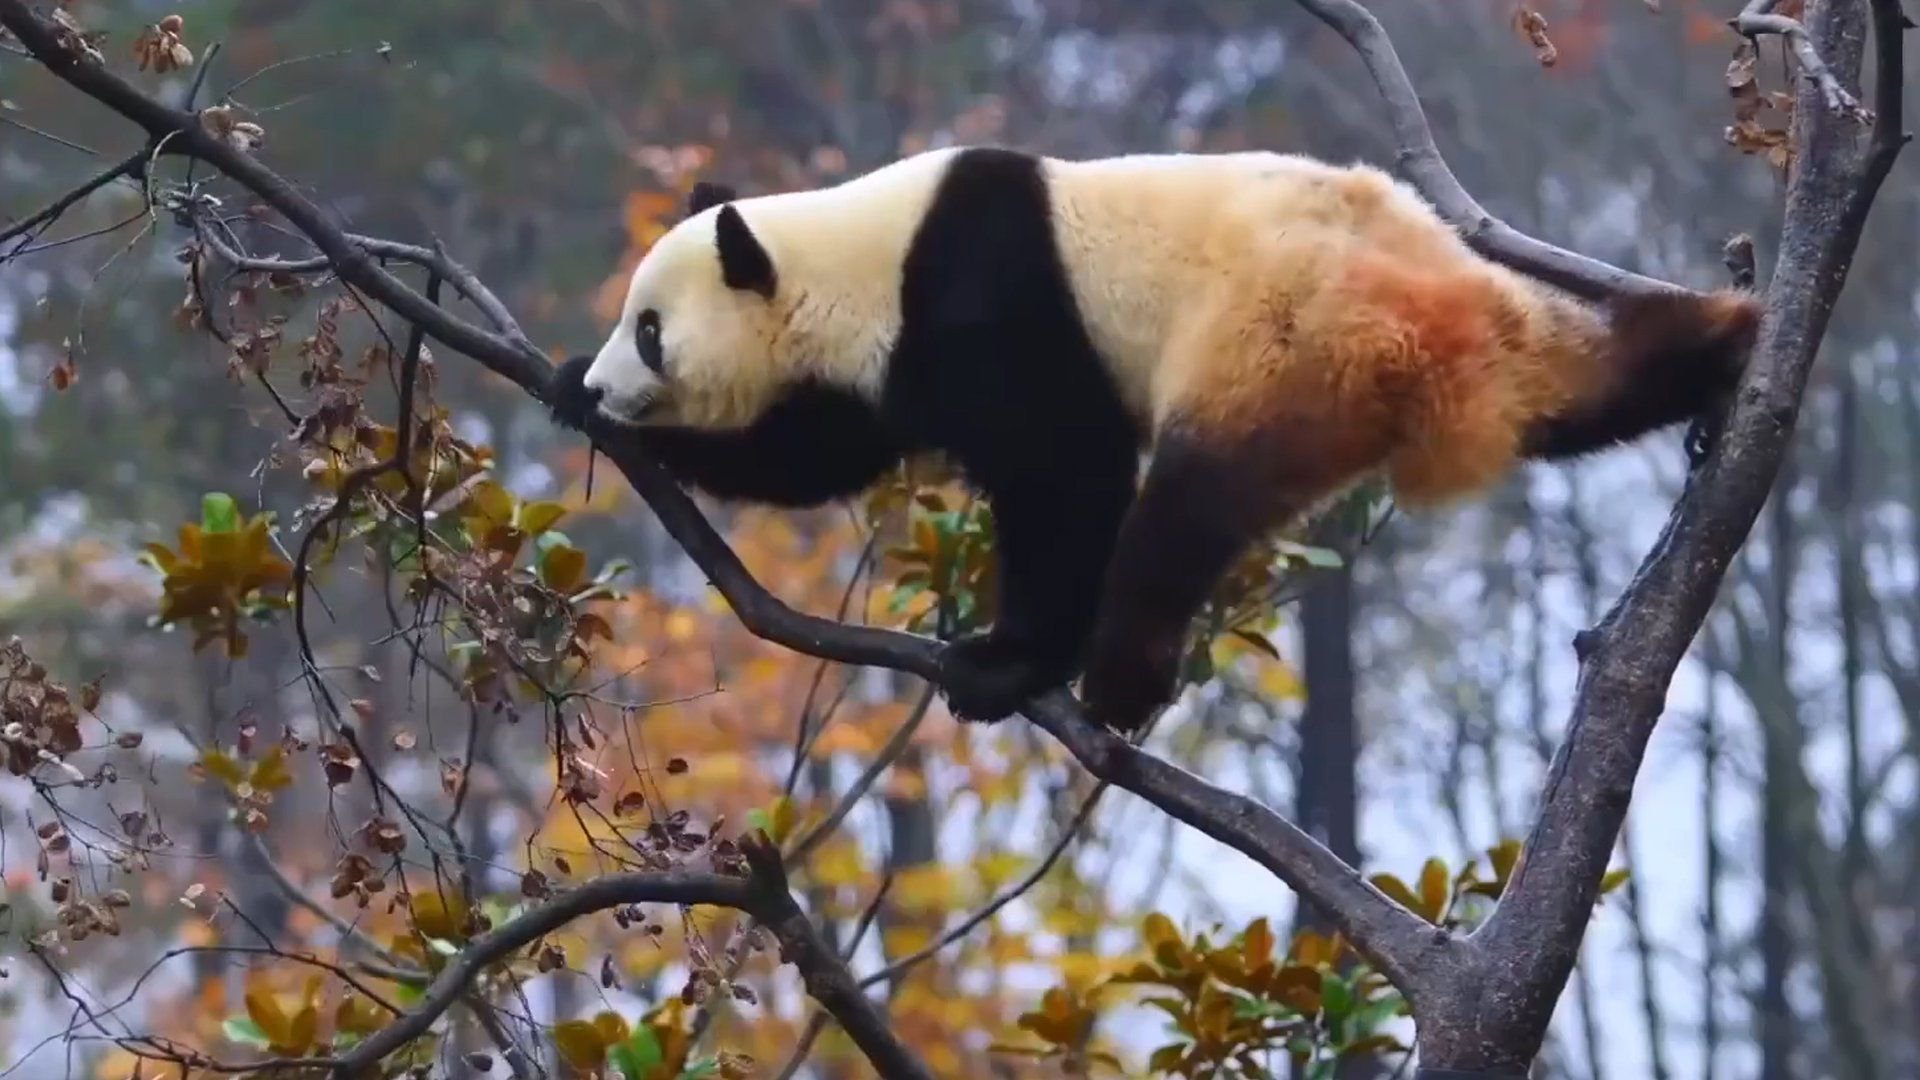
(223, 570)
(1236, 1008)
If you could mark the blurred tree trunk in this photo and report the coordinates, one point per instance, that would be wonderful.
(1773, 1015)
(1327, 799)
(1710, 955)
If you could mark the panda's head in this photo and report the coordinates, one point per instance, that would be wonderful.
(706, 337)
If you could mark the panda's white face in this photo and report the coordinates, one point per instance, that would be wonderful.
(692, 349)
(722, 318)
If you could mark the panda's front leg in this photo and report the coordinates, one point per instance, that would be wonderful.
(1054, 537)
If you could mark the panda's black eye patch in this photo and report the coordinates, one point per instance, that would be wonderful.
(646, 339)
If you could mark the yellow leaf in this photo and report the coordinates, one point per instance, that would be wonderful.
(1080, 969)
(357, 1015)
(270, 773)
(264, 1009)
(1504, 856)
(906, 940)
(301, 1030)
(612, 1027)
(1397, 890)
(1158, 929)
(580, 1044)
(836, 863)
(493, 502)
(1280, 682)
(1613, 880)
(998, 868)
(538, 517)
(221, 766)
(1433, 889)
(785, 815)
(438, 916)
(931, 887)
(1258, 946)
(563, 568)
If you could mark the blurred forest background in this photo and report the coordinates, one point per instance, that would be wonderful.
(1768, 927)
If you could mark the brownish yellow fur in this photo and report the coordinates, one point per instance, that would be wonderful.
(1404, 352)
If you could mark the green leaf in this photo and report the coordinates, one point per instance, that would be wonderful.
(638, 1054)
(1336, 998)
(242, 1029)
(219, 513)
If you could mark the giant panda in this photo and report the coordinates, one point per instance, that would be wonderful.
(1265, 328)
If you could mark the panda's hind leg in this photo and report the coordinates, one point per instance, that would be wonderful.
(1255, 440)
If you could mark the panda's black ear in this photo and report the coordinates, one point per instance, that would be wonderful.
(705, 195)
(744, 264)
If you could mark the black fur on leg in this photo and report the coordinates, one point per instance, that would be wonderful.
(1197, 511)
(1054, 543)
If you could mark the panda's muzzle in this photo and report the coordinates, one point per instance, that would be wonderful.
(629, 409)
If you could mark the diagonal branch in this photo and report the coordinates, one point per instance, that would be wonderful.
(131, 165)
(1398, 942)
(1420, 157)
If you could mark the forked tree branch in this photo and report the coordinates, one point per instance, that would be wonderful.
(763, 893)
(1527, 948)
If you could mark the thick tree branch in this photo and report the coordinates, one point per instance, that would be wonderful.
(1526, 948)
(1398, 942)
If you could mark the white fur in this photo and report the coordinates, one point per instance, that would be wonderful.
(838, 253)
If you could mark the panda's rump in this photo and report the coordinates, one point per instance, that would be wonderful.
(1341, 358)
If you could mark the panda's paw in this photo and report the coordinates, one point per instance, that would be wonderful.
(1123, 695)
(988, 678)
(572, 403)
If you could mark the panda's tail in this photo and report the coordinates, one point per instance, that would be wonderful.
(1663, 358)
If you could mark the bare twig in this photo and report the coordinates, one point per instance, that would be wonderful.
(131, 165)
(890, 753)
(1758, 18)
(1007, 896)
